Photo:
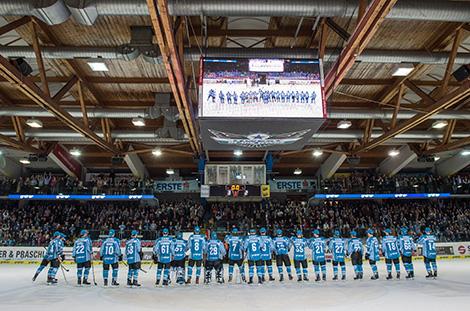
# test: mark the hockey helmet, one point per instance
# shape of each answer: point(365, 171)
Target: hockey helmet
point(134, 233)
point(83, 232)
point(112, 233)
point(234, 230)
point(404, 231)
point(388, 231)
point(56, 234)
point(165, 231)
point(279, 232)
point(214, 235)
point(197, 229)
point(336, 234)
point(353, 234)
point(179, 235)
point(262, 230)
point(427, 230)
point(299, 233)
point(252, 231)
point(316, 232)
point(370, 231)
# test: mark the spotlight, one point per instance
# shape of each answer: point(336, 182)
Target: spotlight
point(238, 153)
point(76, 152)
point(170, 171)
point(317, 152)
point(403, 70)
point(25, 161)
point(439, 124)
point(35, 123)
point(138, 121)
point(344, 124)
point(393, 152)
point(97, 65)
point(157, 152)
point(297, 171)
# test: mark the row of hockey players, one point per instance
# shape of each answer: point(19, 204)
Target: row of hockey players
point(264, 96)
point(258, 250)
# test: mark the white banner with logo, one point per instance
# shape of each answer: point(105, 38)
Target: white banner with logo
point(293, 185)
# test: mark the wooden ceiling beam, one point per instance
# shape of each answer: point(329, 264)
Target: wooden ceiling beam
point(67, 87)
point(14, 24)
point(17, 144)
point(427, 99)
point(363, 33)
point(444, 103)
point(32, 91)
point(162, 26)
point(39, 60)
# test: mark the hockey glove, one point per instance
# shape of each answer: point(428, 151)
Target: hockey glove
point(120, 257)
point(62, 257)
point(367, 256)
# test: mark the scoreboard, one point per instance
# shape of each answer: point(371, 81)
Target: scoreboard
point(235, 191)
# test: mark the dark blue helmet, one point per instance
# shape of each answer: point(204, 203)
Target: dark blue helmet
point(214, 235)
point(353, 234)
point(112, 233)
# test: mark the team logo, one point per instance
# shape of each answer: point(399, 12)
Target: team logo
point(257, 140)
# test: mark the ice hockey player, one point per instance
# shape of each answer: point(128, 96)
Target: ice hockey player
point(215, 252)
point(337, 246)
point(81, 254)
point(253, 255)
point(196, 246)
point(179, 256)
point(318, 246)
point(267, 249)
point(355, 250)
point(51, 257)
point(111, 255)
point(300, 256)
point(134, 257)
point(62, 239)
point(391, 253)
point(162, 256)
point(407, 246)
point(281, 249)
point(372, 253)
point(428, 241)
point(235, 254)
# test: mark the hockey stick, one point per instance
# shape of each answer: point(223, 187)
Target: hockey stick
point(93, 269)
point(64, 267)
point(63, 273)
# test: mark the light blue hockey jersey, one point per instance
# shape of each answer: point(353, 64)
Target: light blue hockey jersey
point(235, 246)
point(300, 248)
point(337, 246)
point(267, 247)
point(428, 241)
point(406, 245)
point(82, 250)
point(133, 249)
point(253, 247)
point(372, 248)
point(390, 247)
point(215, 250)
point(281, 245)
point(196, 246)
point(355, 246)
point(164, 249)
point(318, 247)
point(179, 251)
point(52, 251)
point(110, 251)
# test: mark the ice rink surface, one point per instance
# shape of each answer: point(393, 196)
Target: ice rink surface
point(450, 291)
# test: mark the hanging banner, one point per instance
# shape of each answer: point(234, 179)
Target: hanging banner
point(180, 186)
point(293, 185)
point(65, 161)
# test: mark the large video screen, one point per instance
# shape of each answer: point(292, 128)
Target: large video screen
point(261, 88)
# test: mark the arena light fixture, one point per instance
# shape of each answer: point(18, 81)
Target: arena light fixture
point(393, 152)
point(439, 124)
point(76, 152)
point(97, 65)
point(344, 124)
point(157, 152)
point(403, 70)
point(317, 152)
point(170, 171)
point(34, 123)
point(465, 152)
point(238, 153)
point(25, 161)
point(437, 158)
point(297, 171)
point(139, 121)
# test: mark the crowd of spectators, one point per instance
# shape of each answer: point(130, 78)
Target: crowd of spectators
point(343, 183)
point(402, 183)
point(449, 219)
point(31, 223)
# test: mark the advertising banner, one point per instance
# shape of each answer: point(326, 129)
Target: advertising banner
point(176, 186)
point(293, 185)
point(66, 162)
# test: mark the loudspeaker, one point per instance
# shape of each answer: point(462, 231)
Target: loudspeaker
point(117, 160)
point(22, 66)
point(353, 160)
point(462, 73)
